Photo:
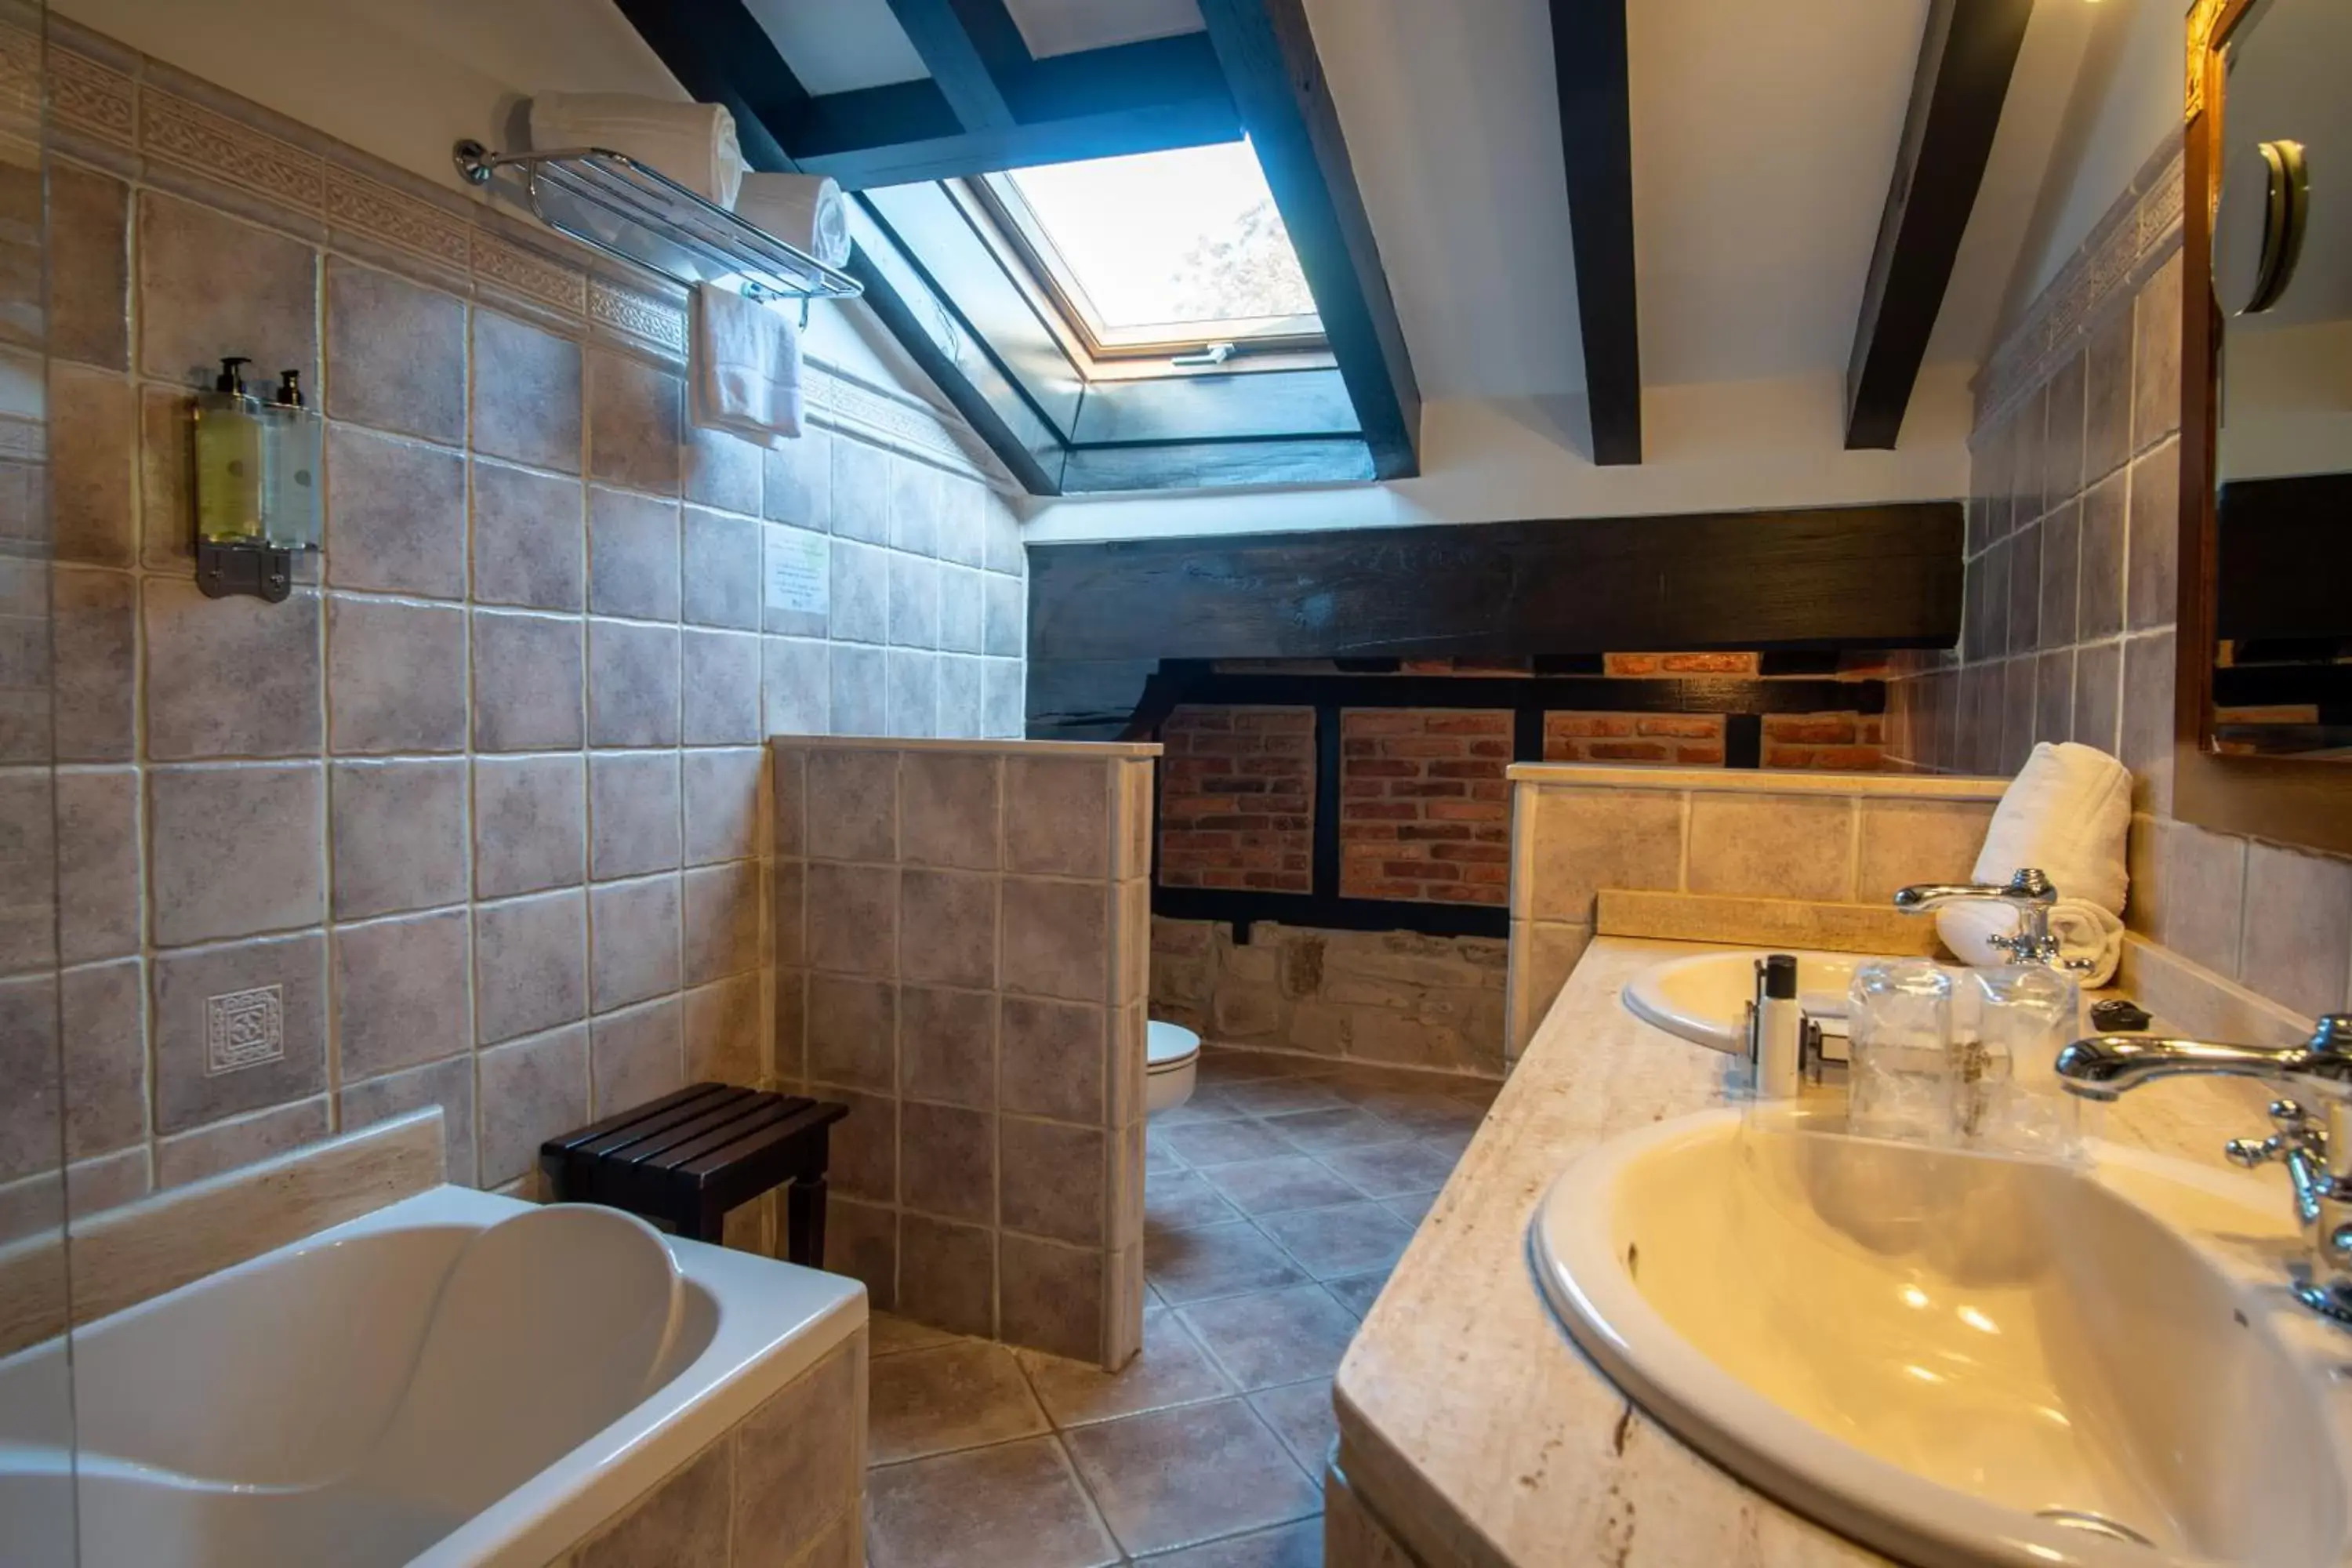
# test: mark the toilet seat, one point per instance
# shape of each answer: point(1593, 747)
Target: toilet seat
point(1172, 1054)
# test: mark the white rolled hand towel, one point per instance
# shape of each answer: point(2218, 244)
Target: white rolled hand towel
point(2067, 813)
point(745, 364)
point(807, 212)
point(692, 144)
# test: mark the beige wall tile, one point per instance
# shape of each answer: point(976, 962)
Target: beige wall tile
point(723, 472)
point(796, 685)
point(947, 1046)
point(633, 684)
point(1585, 839)
point(719, 573)
point(634, 413)
point(1771, 846)
point(97, 844)
point(93, 628)
point(947, 1161)
point(723, 805)
point(633, 555)
point(102, 1016)
point(853, 799)
point(682, 1522)
point(633, 813)
point(90, 282)
point(401, 996)
point(947, 927)
point(864, 1146)
point(947, 1274)
point(1908, 841)
point(1056, 1055)
point(852, 1032)
point(397, 836)
point(636, 1056)
point(230, 678)
point(530, 682)
point(720, 703)
point(724, 1039)
point(92, 444)
point(447, 1085)
point(530, 966)
point(788, 913)
point(527, 394)
point(796, 481)
point(632, 940)
point(527, 539)
point(801, 1458)
point(2204, 879)
point(861, 1240)
point(530, 1090)
point(1055, 1180)
point(531, 827)
point(190, 305)
point(2147, 718)
point(1054, 1297)
point(395, 676)
point(1057, 939)
point(722, 922)
point(236, 849)
point(2298, 929)
point(395, 515)
point(2156, 357)
point(395, 353)
point(1057, 814)
point(858, 932)
point(949, 808)
point(240, 1141)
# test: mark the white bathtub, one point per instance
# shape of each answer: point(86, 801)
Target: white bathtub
point(246, 1418)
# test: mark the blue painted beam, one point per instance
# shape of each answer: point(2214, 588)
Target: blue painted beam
point(895, 135)
point(960, 72)
point(1596, 135)
point(1269, 62)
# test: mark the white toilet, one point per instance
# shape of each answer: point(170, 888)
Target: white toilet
point(1171, 1056)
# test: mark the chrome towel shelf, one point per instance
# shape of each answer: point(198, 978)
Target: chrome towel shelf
point(613, 203)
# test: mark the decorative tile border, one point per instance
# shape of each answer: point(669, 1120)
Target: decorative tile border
point(2134, 238)
point(377, 210)
point(218, 147)
point(93, 97)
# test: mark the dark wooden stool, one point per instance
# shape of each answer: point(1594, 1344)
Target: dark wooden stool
point(687, 1158)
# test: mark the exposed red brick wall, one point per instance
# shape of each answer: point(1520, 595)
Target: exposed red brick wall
point(1680, 740)
point(1237, 798)
point(1640, 664)
point(1424, 809)
point(1837, 743)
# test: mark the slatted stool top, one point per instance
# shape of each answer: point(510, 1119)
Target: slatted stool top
point(697, 1153)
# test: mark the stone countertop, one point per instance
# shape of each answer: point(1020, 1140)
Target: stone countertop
point(1471, 1424)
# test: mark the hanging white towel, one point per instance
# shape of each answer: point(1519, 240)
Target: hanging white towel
point(807, 212)
point(2067, 813)
point(746, 364)
point(692, 144)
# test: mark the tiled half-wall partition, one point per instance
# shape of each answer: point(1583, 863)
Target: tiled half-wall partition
point(477, 817)
point(963, 943)
point(1824, 838)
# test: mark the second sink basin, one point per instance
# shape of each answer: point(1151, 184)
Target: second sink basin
point(1959, 1358)
point(1703, 998)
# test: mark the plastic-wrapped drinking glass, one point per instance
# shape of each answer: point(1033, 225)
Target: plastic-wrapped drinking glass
point(2007, 1095)
point(1899, 1026)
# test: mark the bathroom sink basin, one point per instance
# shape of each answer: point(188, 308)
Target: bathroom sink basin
point(1958, 1359)
point(1704, 999)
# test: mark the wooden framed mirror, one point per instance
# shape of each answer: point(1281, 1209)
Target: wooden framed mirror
point(2262, 737)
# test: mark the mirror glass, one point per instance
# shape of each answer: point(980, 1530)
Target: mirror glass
point(2283, 279)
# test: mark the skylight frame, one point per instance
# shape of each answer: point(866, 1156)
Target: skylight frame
point(1003, 218)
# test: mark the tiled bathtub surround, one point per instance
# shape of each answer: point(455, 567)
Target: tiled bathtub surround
point(962, 936)
point(2074, 523)
point(477, 817)
point(1820, 838)
point(783, 1488)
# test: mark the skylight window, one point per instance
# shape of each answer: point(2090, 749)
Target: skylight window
point(1162, 251)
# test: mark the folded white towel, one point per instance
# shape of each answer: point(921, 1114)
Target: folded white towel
point(2067, 813)
point(746, 363)
point(692, 144)
point(807, 212)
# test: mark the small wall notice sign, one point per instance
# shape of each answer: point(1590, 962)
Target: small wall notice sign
point(799, 570)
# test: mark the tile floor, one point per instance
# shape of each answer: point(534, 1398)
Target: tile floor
point(1276, 1201)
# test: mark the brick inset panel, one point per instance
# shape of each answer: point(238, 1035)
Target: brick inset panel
point(1833, 742)
point(1424, 809)
point(1666, 739)
point(1237, 798)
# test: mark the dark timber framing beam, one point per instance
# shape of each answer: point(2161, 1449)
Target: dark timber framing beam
point(1966, 58)
point(955, 59)
point(1277, 84)
point(1596, 140)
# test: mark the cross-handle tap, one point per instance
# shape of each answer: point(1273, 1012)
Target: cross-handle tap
point(2315, 1147)
point(2029, 892)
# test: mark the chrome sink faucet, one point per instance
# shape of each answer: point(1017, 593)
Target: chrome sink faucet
point(2029, 892)
point(2316, 1148)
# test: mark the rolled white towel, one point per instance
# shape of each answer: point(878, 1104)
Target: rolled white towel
point(2066, 814)
point(807, 212)
point(2086, 933)
point(692, 144)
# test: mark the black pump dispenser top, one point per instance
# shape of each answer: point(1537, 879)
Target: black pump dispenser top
point(289, 389)
point(1780, 977)
point(232, 374)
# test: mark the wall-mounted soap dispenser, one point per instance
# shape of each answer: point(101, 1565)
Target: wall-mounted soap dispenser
point(256, 484)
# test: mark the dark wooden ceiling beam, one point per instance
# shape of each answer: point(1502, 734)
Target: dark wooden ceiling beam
point(1596, 138)
point(1967, 57)
point(720, 53)
point(1268, 58)
point(960, 72)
